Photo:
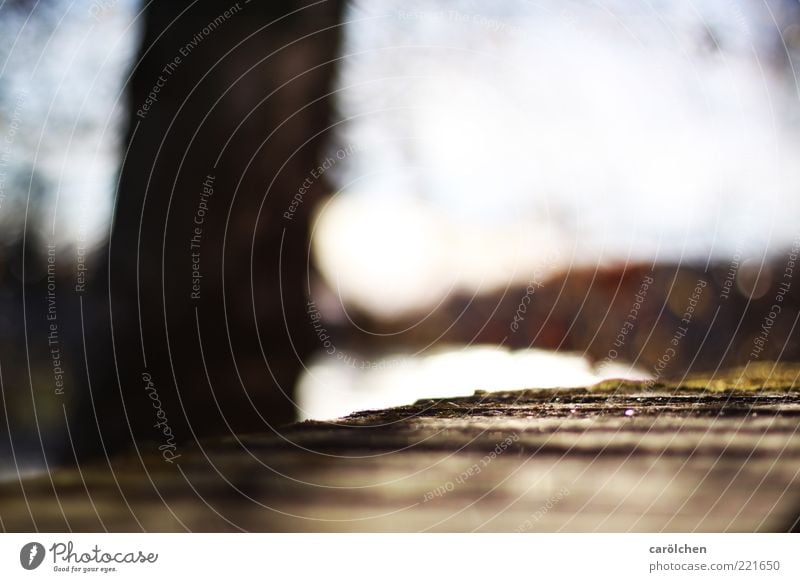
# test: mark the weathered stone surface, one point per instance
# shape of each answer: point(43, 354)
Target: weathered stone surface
point(700, 454)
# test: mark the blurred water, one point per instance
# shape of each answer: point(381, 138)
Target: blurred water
point(336, 385)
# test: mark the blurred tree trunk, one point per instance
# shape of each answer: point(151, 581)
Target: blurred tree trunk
point(207, 275)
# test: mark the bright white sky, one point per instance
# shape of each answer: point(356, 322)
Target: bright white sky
point(491, 139)
point(61, 77)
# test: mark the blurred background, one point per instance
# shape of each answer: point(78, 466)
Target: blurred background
point(506, 195)
point(485, 146)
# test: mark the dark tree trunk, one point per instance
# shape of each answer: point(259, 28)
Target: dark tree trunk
point(229, 110)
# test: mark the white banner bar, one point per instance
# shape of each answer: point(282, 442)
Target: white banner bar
point(401, 557)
